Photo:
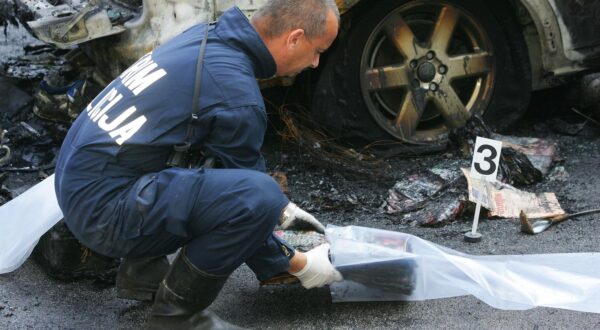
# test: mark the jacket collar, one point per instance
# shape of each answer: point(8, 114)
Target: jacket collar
point(235, 29)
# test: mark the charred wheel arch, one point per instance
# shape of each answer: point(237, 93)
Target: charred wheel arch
point(413, 70)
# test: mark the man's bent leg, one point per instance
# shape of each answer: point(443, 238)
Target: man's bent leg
point(183, 297)
point(244, 216)
point(235, 212)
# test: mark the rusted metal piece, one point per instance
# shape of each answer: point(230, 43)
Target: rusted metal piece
point(60, 33)
point(72, 23)
point(540, 225)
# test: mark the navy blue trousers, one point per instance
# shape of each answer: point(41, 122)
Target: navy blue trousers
point(224, 217)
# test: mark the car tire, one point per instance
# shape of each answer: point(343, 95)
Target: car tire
point(351, 96)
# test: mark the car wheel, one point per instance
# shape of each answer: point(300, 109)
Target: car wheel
point(414, 70)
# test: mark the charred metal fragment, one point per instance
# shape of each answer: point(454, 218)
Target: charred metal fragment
point(515, 167)
point(72, 22)
point(14, 100)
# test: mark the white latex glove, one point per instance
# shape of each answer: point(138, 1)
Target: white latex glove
point(294, 217)
point(318, 270)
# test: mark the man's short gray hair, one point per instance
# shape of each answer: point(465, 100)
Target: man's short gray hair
point(285, 15)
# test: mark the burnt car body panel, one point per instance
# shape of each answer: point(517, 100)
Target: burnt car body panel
point(562, 33)
point(581, 22)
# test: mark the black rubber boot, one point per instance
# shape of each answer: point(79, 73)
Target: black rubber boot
point(184, 295)
point(138, 279)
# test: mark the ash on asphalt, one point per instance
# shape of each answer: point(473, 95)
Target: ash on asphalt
point(29, 298)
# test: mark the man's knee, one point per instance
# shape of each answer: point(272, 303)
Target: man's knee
point(241, 199)
point(267, 198)
point(267, 186)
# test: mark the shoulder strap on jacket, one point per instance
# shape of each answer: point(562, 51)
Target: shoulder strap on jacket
point(180, 150)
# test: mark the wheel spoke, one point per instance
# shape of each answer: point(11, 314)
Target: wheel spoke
point(469, 65)
point(409, 116)
point(387, 77)
point(450, 106)
point(401, 35)
point(444, 28)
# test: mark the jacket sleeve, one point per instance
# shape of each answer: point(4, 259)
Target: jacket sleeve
point(236, 137)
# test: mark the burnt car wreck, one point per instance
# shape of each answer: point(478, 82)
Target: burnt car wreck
point(403, 70)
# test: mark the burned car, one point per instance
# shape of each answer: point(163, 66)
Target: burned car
point(410, 70)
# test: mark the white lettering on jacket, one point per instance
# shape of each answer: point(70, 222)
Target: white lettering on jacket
point(142, 74)
point(126, 131)
point(99, 109)
point(116, 128)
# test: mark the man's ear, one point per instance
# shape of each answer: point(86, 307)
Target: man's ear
point(294, 37)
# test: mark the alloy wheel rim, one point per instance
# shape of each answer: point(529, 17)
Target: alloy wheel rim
point(425, 69)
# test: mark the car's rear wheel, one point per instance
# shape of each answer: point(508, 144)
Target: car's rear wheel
point(413, 70)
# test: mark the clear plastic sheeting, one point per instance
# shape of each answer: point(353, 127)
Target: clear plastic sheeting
point(24, 220)
point(380, 265)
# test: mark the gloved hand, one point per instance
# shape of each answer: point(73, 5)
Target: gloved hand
point(318, 270)
point(294, 217)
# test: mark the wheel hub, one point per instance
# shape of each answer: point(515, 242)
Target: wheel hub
point(429, 71)
point(426, 72)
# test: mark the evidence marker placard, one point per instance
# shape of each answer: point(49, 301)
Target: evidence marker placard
point(486, 159)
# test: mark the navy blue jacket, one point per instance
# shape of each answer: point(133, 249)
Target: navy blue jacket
point(129, 129)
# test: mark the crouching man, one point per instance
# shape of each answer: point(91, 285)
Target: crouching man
point(124, 179)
